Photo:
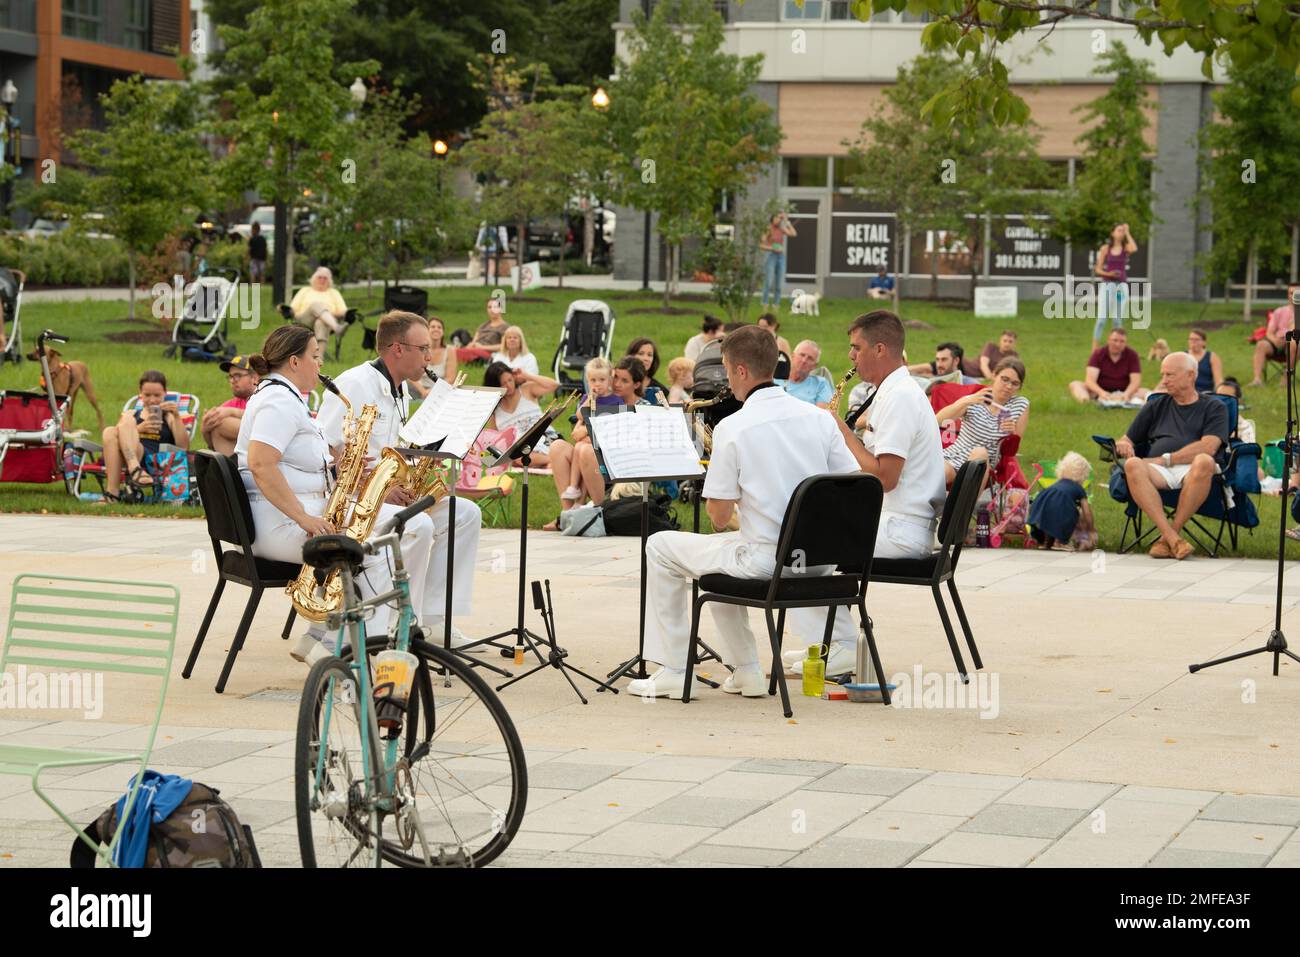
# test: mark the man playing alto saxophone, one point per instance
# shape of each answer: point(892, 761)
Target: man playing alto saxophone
point(284, 463)
point(404, 345)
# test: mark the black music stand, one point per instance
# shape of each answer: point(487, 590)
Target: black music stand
point(522, 449)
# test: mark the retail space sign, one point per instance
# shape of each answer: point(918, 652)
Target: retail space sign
point(1023, 249)
point(861, 243)
point(996, 301)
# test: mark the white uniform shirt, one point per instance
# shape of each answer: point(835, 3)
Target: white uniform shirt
point(764, 450)
point(903, 424)
point(366, 385)
point(278, 417)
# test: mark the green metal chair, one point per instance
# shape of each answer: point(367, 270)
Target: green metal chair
point(89, 625)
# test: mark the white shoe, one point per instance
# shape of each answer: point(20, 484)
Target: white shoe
point(435, 634)
point(571, 494)
point(308, 648)
point(747, 681)
point(843, 658)
point(662, 684)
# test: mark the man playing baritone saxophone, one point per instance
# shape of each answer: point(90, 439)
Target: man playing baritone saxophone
point(760, 455)
point(902, 449)
point(404, 345)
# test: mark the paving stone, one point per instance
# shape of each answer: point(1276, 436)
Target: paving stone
point(982, 782)
point(1229, 836)
point(27, 806)
point(1186, 857)
point(671, 767)
point(907, 826)
point(259, 814)
point(787, 766)
point(848, 852)
point(920, 863)
point(574, 777)
point(856, 780)
point(927, 798)
point(700, 811)
point(619, 759)
point(639, 839)
point(798, 820)
point(1192, 798)
point(1255, 809)
point(1023, 820)
point(542, 841)
point(200, 753)
point(744, 785)
point(253, 770)
point(1121, 833)
point(1288, 856)
point(602, 806)
point(746, 856)
point(1059, 794)
point(988, 850)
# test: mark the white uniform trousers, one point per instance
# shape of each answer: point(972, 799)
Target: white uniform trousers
point(673, 561)
point(469, 520)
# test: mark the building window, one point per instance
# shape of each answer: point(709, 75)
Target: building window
point(82, 19)
point(839, 10)
point(136, 34)
point(720, 7)
point(811, 10)
point(804, 171)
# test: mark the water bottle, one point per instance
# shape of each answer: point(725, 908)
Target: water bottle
point(90, 497)
point(814, 672)
point(982, 527)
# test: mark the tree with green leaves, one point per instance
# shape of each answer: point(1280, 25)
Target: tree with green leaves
point(390, 208)
point(686, 122)
point(1250, 162)
point(152, 169)
point(899, 163)
point(287, 114)
point(733, 262)
point(586, 161)
point(1115, 183)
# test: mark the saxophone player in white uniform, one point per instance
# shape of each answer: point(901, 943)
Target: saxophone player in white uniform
point(404, 346)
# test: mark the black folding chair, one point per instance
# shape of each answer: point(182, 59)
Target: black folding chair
point(230, 522)
point(830, 520)
point(941, 566)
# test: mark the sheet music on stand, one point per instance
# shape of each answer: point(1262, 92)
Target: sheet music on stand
point(454, 415)
point(649, 444)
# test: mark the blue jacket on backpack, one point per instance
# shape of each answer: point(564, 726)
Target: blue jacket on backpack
point(160, 794)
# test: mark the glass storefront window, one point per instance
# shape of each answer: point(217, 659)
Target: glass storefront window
point(804, 171)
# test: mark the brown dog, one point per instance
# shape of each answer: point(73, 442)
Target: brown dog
point(69, 377)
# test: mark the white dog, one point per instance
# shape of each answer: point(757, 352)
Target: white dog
point(804, 303)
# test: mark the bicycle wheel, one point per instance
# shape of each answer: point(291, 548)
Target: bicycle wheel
point(335, 827)
point(461, 781)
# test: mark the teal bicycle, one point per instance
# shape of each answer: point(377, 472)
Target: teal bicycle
point(403, 754)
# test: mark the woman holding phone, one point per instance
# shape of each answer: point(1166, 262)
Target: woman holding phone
point(987, 417)
point(140, 433)
point(779, 229)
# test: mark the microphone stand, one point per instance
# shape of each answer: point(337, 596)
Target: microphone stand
point(1276, 644)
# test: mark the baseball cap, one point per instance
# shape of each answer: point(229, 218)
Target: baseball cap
point(238, 362)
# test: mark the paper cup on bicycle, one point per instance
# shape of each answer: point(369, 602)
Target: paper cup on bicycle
point(396, 668)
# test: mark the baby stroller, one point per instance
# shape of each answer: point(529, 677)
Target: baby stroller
point(396, 298)
point(31, 427)
point(711, 402)
point(11, 295)
point(588, 332)
point(198, 332)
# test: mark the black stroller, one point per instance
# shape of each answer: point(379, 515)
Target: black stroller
point(399, 298)
point(199, 332)
point(11, 296)
point(588, 332)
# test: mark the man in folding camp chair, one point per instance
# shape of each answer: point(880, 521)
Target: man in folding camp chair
point(1183, 434)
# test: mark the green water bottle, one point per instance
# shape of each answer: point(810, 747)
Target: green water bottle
point(814, 672)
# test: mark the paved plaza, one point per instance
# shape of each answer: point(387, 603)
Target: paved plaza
point(1086, 742)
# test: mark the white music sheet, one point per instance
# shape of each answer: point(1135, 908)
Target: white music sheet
point(455, 415)
point(649, 443)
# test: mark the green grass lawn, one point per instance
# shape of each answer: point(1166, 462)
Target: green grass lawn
point(1054, 351)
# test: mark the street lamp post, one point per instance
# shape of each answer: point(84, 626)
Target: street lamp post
point(440, 151)
point(9, 96)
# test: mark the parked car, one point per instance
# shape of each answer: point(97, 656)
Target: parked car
point(264, 216)
point(549, 237)
point(44, 228)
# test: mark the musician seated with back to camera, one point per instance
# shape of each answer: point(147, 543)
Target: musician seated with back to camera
point(903, 449)
point(760, 455)
point(284, 462)
point(1185, 434)
point(404, 345)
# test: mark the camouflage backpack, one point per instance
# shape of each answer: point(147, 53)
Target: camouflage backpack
point(203, 831)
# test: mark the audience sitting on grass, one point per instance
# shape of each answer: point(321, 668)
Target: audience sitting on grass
point(320, 306)
point(981, 367)
point(802, 384)
point(487, 339)
point(518, 408)
point(1245, 427)
point(648, 353)
point(514, 352)
point(1209, 367)
point(710, 329)
point(441, 359)
point(772, 324)
point(1272, 347)
point(881, 285)
point(566, 464)
point(681, 379)
point(1060, 514)
point(1185, 434)
point(220, 425)
point(949, 357)
point(987, 417)
point(137, 434)
point(1113, 375)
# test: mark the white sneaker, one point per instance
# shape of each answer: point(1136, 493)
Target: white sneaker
point(435, 634)
point(747, 681)
point(571, 494)
point(662, 684)
point(842, 659)
point(308, 648)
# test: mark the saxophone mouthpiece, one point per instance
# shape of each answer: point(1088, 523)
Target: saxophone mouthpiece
point(328, 383)
point(433, 376)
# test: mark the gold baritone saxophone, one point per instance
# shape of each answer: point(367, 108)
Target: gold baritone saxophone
point(703, 431)
point(317, 601)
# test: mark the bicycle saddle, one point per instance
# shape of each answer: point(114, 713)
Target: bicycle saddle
point(327, 552)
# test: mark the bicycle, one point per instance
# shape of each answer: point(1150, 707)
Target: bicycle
point(385, 761)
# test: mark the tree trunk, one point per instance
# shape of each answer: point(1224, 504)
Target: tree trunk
point(130, 279)
point(1249, 298)
point(669, 273)
point(521, 249)
point(897, 271)
point(280, 287)
point(934, 267)
point(588, 233)
point(976, 260)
